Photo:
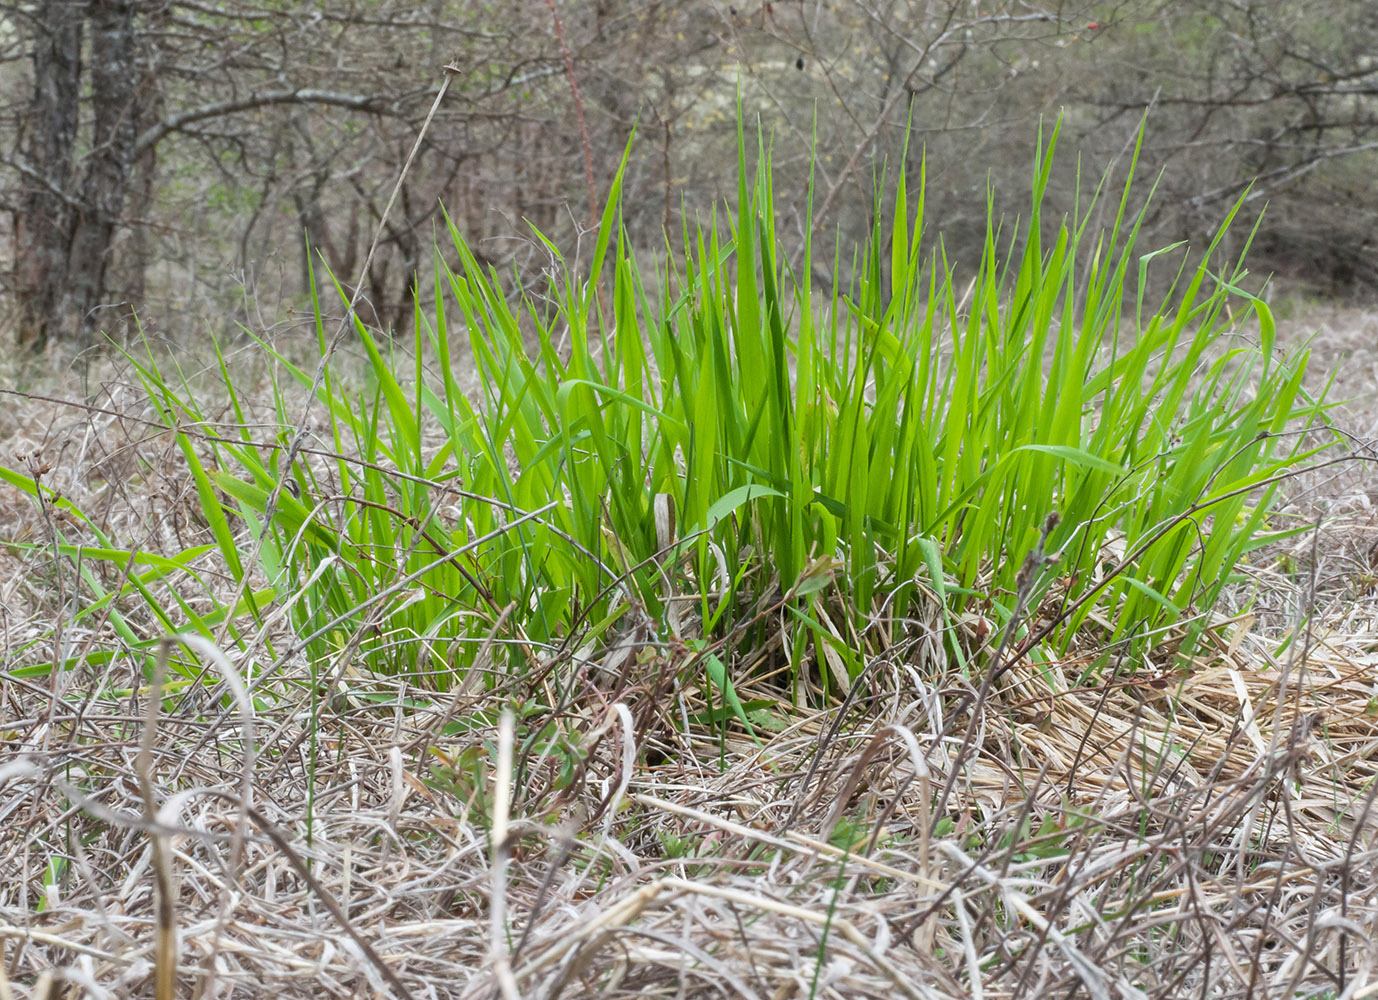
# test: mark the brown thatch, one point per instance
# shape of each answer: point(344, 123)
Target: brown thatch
point(1151, 832)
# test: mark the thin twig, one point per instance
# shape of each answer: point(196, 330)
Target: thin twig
point(568, 57)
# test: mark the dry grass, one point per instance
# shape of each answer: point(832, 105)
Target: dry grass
point(1207, 832)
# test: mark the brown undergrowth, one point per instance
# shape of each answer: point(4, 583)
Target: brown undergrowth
point(1112, 830)
point(1210, 832)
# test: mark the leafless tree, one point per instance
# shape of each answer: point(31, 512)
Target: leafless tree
point(171, 152)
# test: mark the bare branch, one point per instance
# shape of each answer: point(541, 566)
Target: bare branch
point(175, 123)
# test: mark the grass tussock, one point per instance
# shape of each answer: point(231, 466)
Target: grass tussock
point(737, 637)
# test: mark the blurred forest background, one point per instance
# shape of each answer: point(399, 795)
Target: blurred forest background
point(175, 158)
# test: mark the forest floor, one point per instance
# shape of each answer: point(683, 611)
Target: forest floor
point(1206, 831)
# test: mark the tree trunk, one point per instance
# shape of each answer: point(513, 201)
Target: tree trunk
point(114, 87)
point(64, 232)
point(44, 221)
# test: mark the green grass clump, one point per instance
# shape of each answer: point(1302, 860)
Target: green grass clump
point(839, 458)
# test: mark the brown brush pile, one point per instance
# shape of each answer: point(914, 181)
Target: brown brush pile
point(1157, 832)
